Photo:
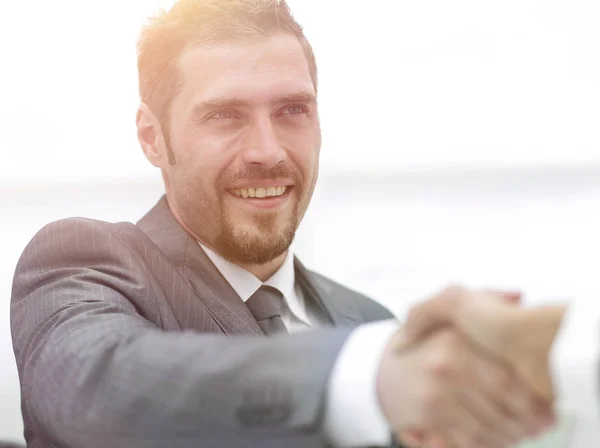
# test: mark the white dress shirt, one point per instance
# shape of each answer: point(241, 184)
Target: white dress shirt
point(353, 417)
point(574, 362)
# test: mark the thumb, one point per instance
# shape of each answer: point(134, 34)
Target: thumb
point(427, 317)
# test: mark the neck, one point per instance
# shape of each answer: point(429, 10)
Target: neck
point(264, 271)
point(261, 271)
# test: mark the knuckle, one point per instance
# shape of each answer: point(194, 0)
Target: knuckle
point(501, 381)
point(447, 339)
point(431, 399)
point(473, 439)
point(445, 360)
point(414, 315)
point(450, 344)
point(488, 440)
point(443, 366)
point(454, 291)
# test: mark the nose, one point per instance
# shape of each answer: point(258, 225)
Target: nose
point(262, 147)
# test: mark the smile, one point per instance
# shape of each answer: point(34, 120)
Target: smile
point(260, 192)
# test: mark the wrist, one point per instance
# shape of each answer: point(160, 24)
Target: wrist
point(392, 392)
point(538, 328)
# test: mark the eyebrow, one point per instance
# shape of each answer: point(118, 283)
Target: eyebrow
point(224, 103)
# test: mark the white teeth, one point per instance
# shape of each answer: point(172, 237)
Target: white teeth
point(260, 192)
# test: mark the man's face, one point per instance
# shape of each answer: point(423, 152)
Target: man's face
point(245, 134)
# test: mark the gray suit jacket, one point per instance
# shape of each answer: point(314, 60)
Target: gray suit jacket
point(128, 336)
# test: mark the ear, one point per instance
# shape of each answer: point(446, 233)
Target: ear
point(151, 137)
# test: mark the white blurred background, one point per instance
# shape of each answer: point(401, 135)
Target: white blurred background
point(461, 143)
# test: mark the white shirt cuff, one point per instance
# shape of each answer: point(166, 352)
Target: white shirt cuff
point(353, 416)
point(574, 360)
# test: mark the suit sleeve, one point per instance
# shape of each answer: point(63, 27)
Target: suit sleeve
point(95, 373)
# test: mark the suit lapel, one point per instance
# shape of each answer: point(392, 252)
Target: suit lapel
point(217, 294)
point(340, 310)
point(211, 288)
point(205, 280)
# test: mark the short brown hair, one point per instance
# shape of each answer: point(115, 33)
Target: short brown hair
point(204, 22)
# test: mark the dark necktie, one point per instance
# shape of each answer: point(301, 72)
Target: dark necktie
point(265, 305)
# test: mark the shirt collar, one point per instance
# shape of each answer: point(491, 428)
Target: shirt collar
point(284, 280)
point(244, 283)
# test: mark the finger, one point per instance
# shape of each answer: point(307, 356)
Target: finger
point(513, 297)
point(412, 438)
point(497, 427)
point(482, 395)
point(502, 399)
point(461, 428)
point(525, 405)
point(520, 403)
point(510, 408)
point(435, 441)
point(453, 423)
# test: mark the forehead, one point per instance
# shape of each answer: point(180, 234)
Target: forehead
point(256, 70)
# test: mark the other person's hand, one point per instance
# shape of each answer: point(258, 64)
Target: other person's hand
point(518, 336)
point(443, 390)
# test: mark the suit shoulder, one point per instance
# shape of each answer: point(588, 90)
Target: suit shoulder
point(77, 248)
point(369, 308)
point(84, 225)
point(77, 239)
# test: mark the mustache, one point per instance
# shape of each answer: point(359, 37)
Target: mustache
point(250, 173)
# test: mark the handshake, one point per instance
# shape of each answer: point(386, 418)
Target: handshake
point(470, 369)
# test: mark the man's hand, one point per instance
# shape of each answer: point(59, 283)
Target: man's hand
point(520, 337)
point(444, 390)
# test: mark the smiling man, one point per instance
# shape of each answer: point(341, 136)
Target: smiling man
point(197, 326)
point(238, 147)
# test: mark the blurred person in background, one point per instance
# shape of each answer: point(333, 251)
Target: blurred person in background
point(197, 326)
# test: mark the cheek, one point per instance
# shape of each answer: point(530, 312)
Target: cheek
point(312, 147)
point(304, 143)
point(308, 160)
point(201, 159)
point(194, 176)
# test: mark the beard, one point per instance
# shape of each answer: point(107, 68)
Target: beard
point(249, 239)
point(257, 244)
point(265, 235)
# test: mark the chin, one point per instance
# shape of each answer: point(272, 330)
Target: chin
point(252, 246)
point(253, 252)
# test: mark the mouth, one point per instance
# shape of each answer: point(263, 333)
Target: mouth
point(260, 192)
point(262, 197)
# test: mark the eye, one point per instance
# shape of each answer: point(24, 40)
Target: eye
point(221, 115)
point(295, 110)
